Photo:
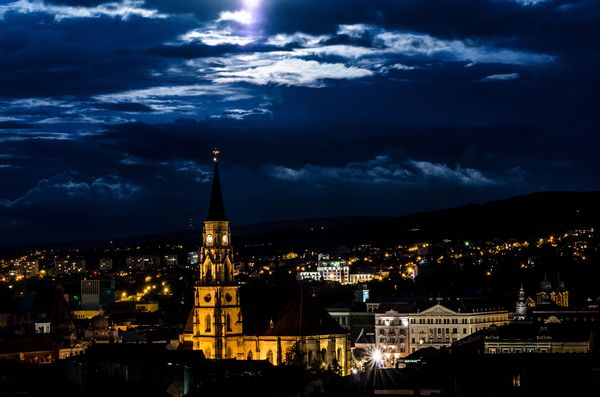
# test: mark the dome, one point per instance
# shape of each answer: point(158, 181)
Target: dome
point(560, 284)
point(100, 322)
point(545, 285)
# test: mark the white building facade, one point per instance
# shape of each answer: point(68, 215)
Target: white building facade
point(399, 333)
point(336, 271)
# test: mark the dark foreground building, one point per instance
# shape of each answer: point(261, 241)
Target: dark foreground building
point(153, 369)
point(465, 375)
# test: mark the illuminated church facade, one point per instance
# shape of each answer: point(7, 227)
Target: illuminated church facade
point(303, 331)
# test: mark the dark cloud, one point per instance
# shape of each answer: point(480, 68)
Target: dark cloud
point(79, 3)
point(79, 57)
point(108, 115)
point(11, 125)
point(154, 176)
point(124, 107)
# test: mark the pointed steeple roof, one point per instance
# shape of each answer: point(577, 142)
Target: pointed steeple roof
point(216, 209)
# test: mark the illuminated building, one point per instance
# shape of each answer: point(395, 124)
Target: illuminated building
point(392, 331)
point(216, 326)
point(27, 268)
point(336, 271)
point(537, 338)
point(106, 263)
point(142, 262)
point(192, 258)
point(405, 327)
point(170, 260)
point(97, 294)
point(548, 294)
point(69, 266)
point(521, 306)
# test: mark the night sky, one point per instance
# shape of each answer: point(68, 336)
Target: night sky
point(109, 110)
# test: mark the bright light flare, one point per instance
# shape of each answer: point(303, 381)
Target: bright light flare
point(243, 16)
point(375, 357)
point(251, 3)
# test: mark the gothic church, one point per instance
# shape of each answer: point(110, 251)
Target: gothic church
point(216, 326)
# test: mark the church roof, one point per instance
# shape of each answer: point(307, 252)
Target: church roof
point(304, 317)
point(28, 344)
point(216, 209)
point(189, 325)
point(365, 337)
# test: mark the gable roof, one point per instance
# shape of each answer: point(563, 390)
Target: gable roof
point(438, 308)
point(304, 317)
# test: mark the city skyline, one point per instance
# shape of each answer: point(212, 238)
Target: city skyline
point(109, 110)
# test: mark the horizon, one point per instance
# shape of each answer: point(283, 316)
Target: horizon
point(234, 225)
point(334, 109)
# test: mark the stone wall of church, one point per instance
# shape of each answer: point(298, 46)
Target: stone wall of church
point(319, 350)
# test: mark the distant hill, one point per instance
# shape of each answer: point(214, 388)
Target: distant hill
point(521, 216)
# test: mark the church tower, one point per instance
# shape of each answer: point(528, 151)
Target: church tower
point(217, 315)
point(521, 306)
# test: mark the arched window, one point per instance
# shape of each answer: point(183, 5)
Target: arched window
point(250, 355)
point(228, 322)
point(323, 354)
point(270, 356)
point(207, 321)
point(208, 275)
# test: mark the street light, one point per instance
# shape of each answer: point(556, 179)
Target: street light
point(375, 356)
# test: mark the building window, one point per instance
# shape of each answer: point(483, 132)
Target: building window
point(250, 355)
point(207, 321)
point(228, 322)
point(270, 356)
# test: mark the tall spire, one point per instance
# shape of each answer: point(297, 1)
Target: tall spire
point(521, 306)
point(216, 209)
